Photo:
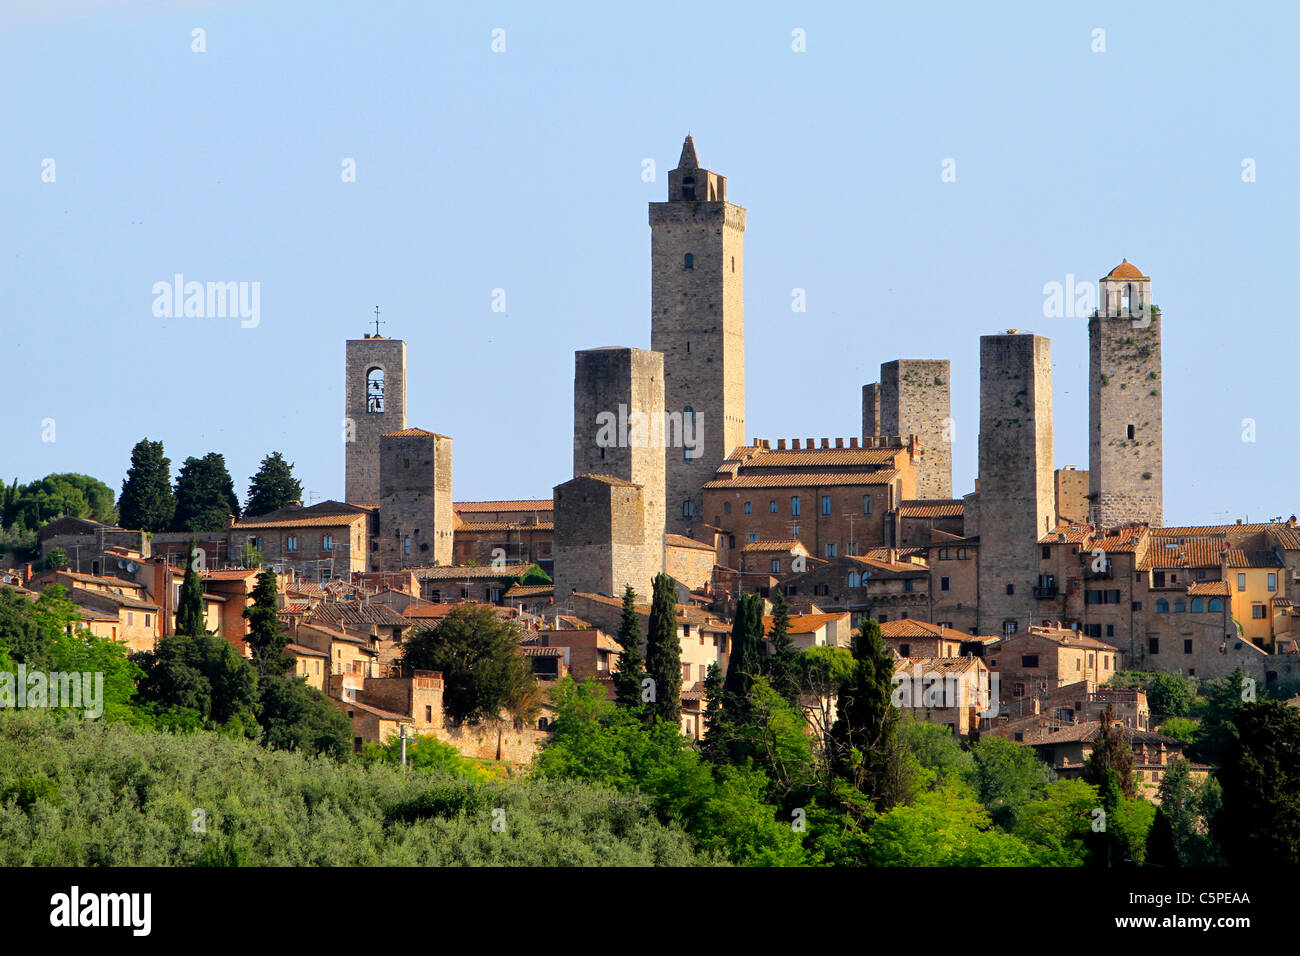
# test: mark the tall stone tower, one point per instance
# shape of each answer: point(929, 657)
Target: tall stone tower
point(618, 403)
point(698, 323)
point(1017, 500)
point(375, 403)
point(415, 513)
point(913, 397)
point(1125, 408)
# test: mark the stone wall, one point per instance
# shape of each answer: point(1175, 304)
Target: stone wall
point(915, 400)
point(415, 514)
point(364, 426)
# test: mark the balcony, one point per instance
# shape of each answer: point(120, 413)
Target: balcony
point(1046, 591)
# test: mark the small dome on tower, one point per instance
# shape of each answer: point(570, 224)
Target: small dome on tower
point(1125, 270)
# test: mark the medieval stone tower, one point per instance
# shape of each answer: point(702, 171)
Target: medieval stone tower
point(1017, 503)
point(618, 402)
point(415, 513)
point(600, 537)
point(913, 398)
point(1125, 408)
point(698, 323)
point(375, 403)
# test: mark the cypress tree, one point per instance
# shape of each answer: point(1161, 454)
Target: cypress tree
point(205, 494)
point(266, 637)
point(189, 612)
point(663, 657)
point(864, 738)
point(631, 665)
point(782, 666)
point(1111, 752)
point(713, 747)
point(273, 487)
point(147, 502)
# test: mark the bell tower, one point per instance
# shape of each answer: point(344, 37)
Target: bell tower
point(698, 323)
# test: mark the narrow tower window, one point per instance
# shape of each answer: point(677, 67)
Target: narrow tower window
point(690, 260)
point(1131, 432)
point(375, 390)
point(688, 188)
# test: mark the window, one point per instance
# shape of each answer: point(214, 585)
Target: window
point(776, 565)
point(866, 504)
point(406, 545)
point(904, 650)
point(375, 390)
point(1180, 606)
point(1028, 660)
point(1153, 645)
point(1047, 552)
point(1009, 627)
point(1110, 630)
point(686, 672)
point(1241, 582)
point(1216, 604)
point(749, 507)
point(753, 537)
point(130, 619)
point(1272, 581)
point(688, 426)
point(688, 508)
point(291, 543)
point(1131, 432)
point(731, 541)
point(726, 507)
point(963, 554)
point(148, 620)
point(855, 579)
point(1187, 646)
point(907, 584)
point(943, 584)
point(1011, 589)
point(794, 505)
point(771, 507)
point(1162, 606)
point(826, 505)
point(690, 260)
point(428, 713)
point(327, 542)
point(1198, 605)
point(830, 549)
point(1257, 612)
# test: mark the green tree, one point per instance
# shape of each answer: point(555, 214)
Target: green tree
point(663, 655)
point(1259, 823)
point(273, 487)
point(1223, 699)
point(1169, 695)
point(190, 616)
point(863, 742)
point(483, 671)
point(297, 717)
point(57, 560)
point(202, 673)
point(147, 502)
point(1057, 827)
point(631, 665)
point(937, 752)
point(205, 494)
point(266, 635)
point(1111, 751)
point(1160, 849)
point(54, 496)
point(1008, 776)
point(943, 828)
point(723, 740)
point(782, 666)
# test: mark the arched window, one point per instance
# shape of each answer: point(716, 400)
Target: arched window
point(1198, 605)
point(855, 579)
point(375, 390)
point(1162, 606)
point(690, 260)
point(1180, 606)
point(1216, 604)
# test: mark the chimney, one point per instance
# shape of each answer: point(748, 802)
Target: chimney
point(853, 443)
point(294, 503)
point(826, 443)
point(893, 555)
point(812, 443)
point(794, 444)
point(1238, 521)
point(230, 521)
point(839, 443)
point(27, 572)
point(780, 444)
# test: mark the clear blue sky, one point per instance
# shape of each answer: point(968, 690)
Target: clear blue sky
point(522, 171)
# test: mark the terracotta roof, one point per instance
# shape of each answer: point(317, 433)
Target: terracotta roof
point(1060, 635)
point(807, 479)
point(681, 541)
point(805, 623)
point(335, 520)
point(468, 572)
point(81, 594)
point(530, 590)
point(94, 614)
point(534, 650)
point(911, 628)
point(1288, 538)
point(231, 574)
point(355, 614)
point(932, 508)
point(608, 480)
point(300, 650)
point(1125, 270)
point(107, 582)
point(411, 433)
point(881, 569)
point(1194, 553)
point(785, 546)
point(520, 504)
point(469, 527)
point(377, 711)
point(955, 665)
point(1087, 731)
point(1210, 530)
point(1236, 558)
point(1209, 589)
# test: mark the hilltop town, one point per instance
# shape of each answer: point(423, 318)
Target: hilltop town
point(1028, 593)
